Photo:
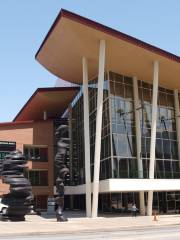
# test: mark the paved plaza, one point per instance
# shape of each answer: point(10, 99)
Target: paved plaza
point(78, 224)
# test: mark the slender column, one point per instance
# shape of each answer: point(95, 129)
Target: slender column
point(45, 115)
point(138, 141)
point(177, 117)
point(110, 119)
point(153, 133)
point(86, 137)
point(70, 151)
point(98, 127)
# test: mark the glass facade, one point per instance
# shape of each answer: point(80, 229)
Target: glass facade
point(123, 126)
point(167, 162)
point(78, 134)
point(118, 145)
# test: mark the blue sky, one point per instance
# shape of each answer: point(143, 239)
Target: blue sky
point(24, 24)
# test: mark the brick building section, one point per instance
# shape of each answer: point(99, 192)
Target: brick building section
point(33, 133)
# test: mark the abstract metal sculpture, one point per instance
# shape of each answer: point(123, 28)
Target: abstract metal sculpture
point(62, 170)
point(19, 198)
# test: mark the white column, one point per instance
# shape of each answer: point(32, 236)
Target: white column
point(98, 128)
point(70, 150)
point(45, 115)
point(177, 117)
point(153, 133)
point(86, 137)
point(138, 141)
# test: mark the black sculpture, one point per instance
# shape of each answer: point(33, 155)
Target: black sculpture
point(19, 198)
point(62, 170)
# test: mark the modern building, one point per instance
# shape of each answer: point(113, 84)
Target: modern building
point(124, 122)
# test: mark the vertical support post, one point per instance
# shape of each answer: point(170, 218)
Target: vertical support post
point(86, 136)
point(45, 115)
point(110, 126)
point(153, 133)
point(177, 117)
point(98, 127)
point(70, 151)
point(138, 141)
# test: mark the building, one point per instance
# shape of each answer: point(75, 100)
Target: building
point(33, 133)
point(124, 122)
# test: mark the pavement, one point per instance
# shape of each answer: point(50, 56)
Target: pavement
point(46, 224)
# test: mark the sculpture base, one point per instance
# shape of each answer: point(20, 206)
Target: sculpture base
point(12, 218)
point(61, 218)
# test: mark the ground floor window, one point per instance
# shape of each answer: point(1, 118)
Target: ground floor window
point(37, 177)
point(121, 202)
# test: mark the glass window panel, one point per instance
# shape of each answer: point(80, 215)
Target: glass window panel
point(114, 128)
point(115, 144)
point(130, 129)
point(111, 76)
point(140, 94)
point(162, 99)
point(158, 134)
point(119, 90)
point(173, 135)
point(145, 168)
point(167, 168)
point(148, 147)
point(165, 134)
point(131, 146)
point(115, 168)
point(166, 148)
point(133, 173)
point(112, 88)
point(120, 128)
point(163, 113)
point(122, 146)
point(147, 115)
point(176, 169)
point(123, 168)
point(143, 147)
point(159, 148)
point(146, 85)
point(119, 78)
point(37, 153)
point(174, 150)
point(128, 80)
point(160, 168)
point(170, 100)
point(146, 95)
point(103, 173)
point(108, 168)
point(128, 92)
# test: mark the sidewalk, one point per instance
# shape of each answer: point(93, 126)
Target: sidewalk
point(47, 225)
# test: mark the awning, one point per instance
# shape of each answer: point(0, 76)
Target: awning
point(52, 100)
point(73, 36)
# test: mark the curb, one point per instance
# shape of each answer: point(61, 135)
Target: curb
point(89, 231)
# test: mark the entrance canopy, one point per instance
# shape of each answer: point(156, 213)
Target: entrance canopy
point(71, 37)
point(52, 100)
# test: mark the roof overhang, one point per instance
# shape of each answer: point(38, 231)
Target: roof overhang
point(71, 37)
point(52, 100)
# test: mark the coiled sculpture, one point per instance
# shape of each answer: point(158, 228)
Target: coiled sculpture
point(62, 170)
point(19, 198)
